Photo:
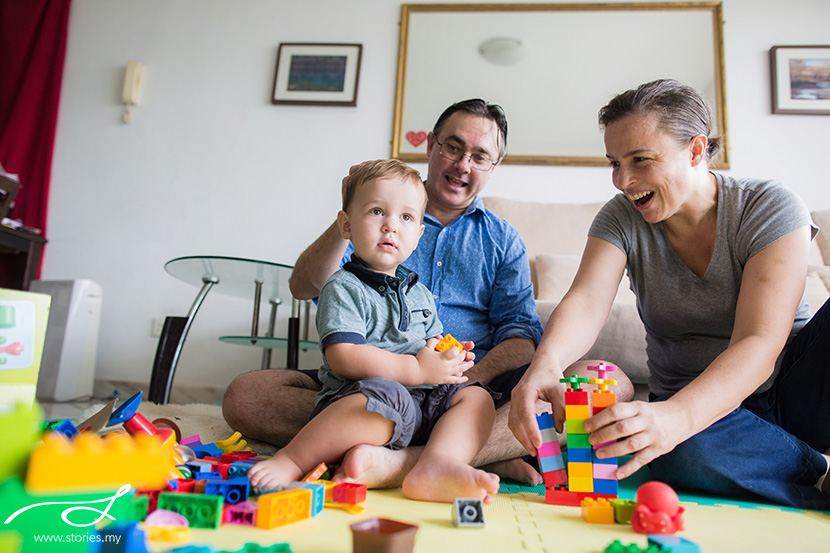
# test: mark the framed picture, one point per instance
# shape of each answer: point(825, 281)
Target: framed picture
point(800, 79)
point(319, 74)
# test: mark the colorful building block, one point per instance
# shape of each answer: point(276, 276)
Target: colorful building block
point(233, 490)
point(283, 507)
point(349, 492)
point(91, 463)
point(243, 513)
point(675, 544)
point(448, 342)
point(468, 513)
point(20, 434)
point(623, 509)
point(597, 510)
point(315, 473)
point(383, 534)
point(201, 511)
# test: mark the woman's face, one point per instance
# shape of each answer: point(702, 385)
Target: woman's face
point(649, 166)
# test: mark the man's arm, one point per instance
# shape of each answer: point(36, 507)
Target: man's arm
point(506, 356)
point(317, 263)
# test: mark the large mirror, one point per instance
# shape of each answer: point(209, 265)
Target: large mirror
point(551, 67)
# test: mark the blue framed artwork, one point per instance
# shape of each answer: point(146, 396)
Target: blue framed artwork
point(317, 74)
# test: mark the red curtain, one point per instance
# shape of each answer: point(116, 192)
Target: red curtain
point(32, 51)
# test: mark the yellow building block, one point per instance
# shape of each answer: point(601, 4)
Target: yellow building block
point(577, 412)
point(581, 470)
point(283, 507)
point(581, 485)
point(448, 342)
point(88, 462)
point(597, 511)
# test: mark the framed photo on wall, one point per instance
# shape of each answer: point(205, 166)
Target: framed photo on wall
point(317, 74)
point(800, 79)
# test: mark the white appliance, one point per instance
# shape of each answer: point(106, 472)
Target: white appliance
point(67, 370)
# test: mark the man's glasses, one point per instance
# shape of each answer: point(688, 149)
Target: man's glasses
point(479, 162)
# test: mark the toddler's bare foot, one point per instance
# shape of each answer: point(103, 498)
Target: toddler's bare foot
point(377, 467)
point(272, 473)
point(515, 469)
point(445, 479)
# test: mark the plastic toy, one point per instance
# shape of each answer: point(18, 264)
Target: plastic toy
point(234, 443)
point(617, 547)
point(201, 511)
point(233, 490)
point(318, 495)
point(468, 513)
point(623, 509)
point(551, 463)
point(448, 342)
point(675, 544)
point(348, 492)
point(658, 510)
point(92, 463)
point(315, 474)
point(383, 535)
point(284, 507)
point(243, 513)
point(130, 538)
point(597, 511)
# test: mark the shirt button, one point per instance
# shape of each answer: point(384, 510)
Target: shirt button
point(439, 263)
point(434, 296)
point(381, 288)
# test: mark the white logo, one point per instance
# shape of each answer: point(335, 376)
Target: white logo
point(123, 490)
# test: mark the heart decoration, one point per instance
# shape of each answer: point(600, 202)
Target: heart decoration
point(416, 138)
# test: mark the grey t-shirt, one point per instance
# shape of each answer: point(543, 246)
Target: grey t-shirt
point(688, 319)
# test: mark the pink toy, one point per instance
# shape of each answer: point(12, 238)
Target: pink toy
point(658, 510)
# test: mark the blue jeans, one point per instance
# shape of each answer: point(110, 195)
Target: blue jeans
point(768, 447)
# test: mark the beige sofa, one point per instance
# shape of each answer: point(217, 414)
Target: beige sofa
point(555, 235)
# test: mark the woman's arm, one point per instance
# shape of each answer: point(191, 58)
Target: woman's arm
point(771, 289)
point(569, 334)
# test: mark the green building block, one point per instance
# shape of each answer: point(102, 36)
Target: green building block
point(201, 511)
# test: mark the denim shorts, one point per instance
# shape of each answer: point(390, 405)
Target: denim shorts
point(413, 410)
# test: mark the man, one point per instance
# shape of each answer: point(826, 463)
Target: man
point(476, 266)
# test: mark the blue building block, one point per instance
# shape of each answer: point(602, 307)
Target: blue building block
point(550, 464)
point(675, 544)
point(609, 487)
point(233, 490)
point(579, 455)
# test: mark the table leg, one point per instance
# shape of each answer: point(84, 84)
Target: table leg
point(170, 346)
point(292, 360)
point(272, 323)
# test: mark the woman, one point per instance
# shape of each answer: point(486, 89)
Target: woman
point(739, 380)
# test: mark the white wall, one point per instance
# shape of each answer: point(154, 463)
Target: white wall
point(209, 166)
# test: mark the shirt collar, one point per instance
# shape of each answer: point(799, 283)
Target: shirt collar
point(380, 282)
point(476, 205)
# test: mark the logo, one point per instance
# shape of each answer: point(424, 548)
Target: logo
point(65, 515)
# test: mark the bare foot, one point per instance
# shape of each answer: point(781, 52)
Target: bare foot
point(515, 469)
point(377, 467)
point(445, 479)
point(275, 472)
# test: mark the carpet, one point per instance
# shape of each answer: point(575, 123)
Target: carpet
point(517, 520)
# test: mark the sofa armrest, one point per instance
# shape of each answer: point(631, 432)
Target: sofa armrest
point(622, 340)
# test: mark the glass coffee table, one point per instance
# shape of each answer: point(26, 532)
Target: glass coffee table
point(237, 277)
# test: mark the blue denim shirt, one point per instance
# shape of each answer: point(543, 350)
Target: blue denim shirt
point(479, 275)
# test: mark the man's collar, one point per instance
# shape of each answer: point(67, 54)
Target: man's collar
point(381, 282)
point(476, 205)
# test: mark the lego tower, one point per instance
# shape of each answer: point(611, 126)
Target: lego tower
point(587, 476)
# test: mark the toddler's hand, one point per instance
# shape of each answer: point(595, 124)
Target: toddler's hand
point(443, 367)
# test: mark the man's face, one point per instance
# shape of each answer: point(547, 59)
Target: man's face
point(452, 185)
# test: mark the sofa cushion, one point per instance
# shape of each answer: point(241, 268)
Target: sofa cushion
point(555, 273)
point(622, 341)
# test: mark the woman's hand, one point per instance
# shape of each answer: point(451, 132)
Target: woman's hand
point(643, 430)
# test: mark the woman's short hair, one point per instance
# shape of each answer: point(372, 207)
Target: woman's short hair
point(682, 111)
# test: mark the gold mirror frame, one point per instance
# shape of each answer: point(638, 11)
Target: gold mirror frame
point(609, 47)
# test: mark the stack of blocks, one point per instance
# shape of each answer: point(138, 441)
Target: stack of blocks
point(587, 475)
